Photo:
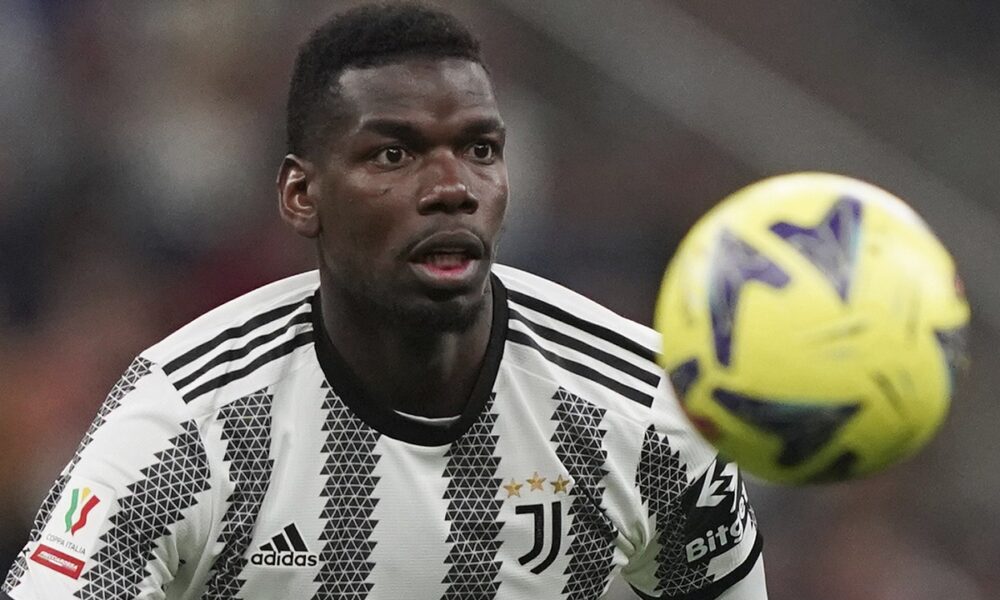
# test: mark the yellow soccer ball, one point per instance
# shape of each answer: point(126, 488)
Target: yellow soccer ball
point(812, 328)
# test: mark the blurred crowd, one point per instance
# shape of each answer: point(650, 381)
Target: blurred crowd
point(140, 145)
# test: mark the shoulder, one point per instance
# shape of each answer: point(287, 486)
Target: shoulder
point(607, 364)
point(239, 343)
point(537, 294)
point(584, 345)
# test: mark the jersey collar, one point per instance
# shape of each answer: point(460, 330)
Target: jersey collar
point(385, 420)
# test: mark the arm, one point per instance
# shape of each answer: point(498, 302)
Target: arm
point(116, 518)
point(700, 539)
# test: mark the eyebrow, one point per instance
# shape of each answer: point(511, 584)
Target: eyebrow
point(404, 131)
point(484, 126)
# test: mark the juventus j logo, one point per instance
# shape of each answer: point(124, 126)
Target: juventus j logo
point(538, 510)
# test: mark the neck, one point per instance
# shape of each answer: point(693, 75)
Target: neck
point(418, 371)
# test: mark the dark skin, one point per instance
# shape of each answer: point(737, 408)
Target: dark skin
point(405, 202)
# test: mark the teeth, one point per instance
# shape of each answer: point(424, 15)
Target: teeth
point(445, 260)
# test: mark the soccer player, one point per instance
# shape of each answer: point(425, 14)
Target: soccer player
point(410, 420)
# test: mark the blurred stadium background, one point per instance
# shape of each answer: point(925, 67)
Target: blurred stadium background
point(141, 141)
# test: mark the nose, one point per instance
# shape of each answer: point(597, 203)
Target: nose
point(448, 191)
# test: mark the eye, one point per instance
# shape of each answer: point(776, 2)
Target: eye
point(393, 156)
point(483, 152)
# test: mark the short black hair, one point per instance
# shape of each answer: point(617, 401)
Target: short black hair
point(366, 36)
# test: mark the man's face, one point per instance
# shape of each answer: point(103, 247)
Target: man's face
point(412, 192)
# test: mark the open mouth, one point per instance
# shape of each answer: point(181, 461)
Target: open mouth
point(447, 258)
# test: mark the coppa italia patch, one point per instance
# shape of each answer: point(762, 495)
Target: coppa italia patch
point(74, 526)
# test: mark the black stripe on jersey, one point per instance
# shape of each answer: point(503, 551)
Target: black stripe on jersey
point(231, 333)
point(661, 478)
point(271, 355)
point(519, 337)
point(579, 441)
point(246, 429)
point(650, 378)
point(150, 510)
point(345, 564)
point(716, 588)
point(473, 511)
point(590, 327)
point(238, 353)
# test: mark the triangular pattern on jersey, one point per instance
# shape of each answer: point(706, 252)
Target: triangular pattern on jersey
point(579, 442)
point(349, 491)
point(154, 504)
point(139, 368)
point(246, 427)
point(661, 478)
point(473, 508)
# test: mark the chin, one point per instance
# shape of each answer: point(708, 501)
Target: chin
point(454, 315)
point(417, 309)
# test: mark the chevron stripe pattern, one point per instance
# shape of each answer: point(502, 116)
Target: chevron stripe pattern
point(152, 506)
point(246, 428)
point(579, 443)
point(351, 459)
point(473, 510)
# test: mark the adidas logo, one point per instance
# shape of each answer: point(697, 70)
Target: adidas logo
point(285, 550)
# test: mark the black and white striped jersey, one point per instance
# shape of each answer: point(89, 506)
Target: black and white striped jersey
point(238, 458)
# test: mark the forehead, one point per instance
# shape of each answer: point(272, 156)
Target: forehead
point(418, 88)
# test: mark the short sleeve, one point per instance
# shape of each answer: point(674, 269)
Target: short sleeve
point(701, 538)
point(110, 526)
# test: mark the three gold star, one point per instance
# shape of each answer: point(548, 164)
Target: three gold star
point(537, 482)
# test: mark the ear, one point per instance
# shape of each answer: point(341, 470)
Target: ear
point(296, 204)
